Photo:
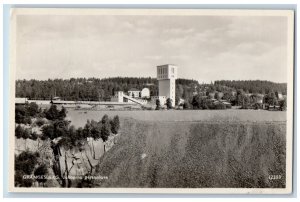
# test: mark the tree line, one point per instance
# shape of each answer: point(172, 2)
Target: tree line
point(254, 86)
point(92, 89)
point(95, 89)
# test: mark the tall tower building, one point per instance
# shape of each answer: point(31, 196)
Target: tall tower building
point(166, 76)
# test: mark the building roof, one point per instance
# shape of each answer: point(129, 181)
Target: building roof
point(19, 100)
point(167, 65)
point(134, 89)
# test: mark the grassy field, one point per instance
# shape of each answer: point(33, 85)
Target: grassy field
point(195, 154)
point(79, 117)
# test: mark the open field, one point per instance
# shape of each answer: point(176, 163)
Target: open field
point(79, 117)
point(195, 154)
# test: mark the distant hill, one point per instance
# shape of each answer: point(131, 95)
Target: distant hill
point(254, 86)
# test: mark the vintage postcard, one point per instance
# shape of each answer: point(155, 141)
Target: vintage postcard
point(151, 101)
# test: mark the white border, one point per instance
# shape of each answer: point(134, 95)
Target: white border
point(210, 12)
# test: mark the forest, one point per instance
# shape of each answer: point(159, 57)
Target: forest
point(254, 86)
point(95, 89)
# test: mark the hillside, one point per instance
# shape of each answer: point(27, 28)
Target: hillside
point(195, 154)
point(254, 86)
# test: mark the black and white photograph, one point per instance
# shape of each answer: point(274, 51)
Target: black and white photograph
point(151, 100)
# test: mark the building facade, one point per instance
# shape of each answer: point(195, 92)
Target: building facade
point(134, 92)
point(166, 76)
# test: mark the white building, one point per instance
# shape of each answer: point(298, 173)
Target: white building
point(118, 97)
point(145, 93)
point(134, 93)
point(166, 76)
point(162, 99)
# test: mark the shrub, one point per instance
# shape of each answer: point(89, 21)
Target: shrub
point(41, 171)
point(20, 114)
point(186, 105)
point(48, 132)
point(54, 114)
point(32, 109)
point(220, 106)
point(39, 122)
point(169, 103)
point(157, 104)
point(228, 106)
point(20, 181)
point(33, 136)
point(21, 132)
point(26, 162)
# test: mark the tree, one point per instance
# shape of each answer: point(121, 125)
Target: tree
point(282, 104)
point(33, 109)
point(196, 102)
point(240, 97)
point(105, 119)
point(186, 105)
point(105, 131)
point(48, 132)
point(26, 161)
point(271, 98)
point(62, 113)
point(20, 181)
point(96, 130)
point(115, 125)
point(157, 104)
point(105, 128)
point(217, 96)
point(20, 114)
point(40, 172)
point(52, 113)
point(169, 103)
point(19, 132)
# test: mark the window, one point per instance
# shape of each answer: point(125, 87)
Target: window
point(172, 70)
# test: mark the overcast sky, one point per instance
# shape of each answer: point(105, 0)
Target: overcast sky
point(205, 48)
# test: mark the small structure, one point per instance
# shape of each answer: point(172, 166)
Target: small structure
point(20, 101)
point(145, 93)
point(279, 95)
point(56, 98)
point(162, 99)
point(118, 97)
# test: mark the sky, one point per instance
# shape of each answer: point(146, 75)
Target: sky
point(205, 48)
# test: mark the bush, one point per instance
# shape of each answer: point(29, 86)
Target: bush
point(220, 106)
point(228, 106)
point(186, 105)
point(20, 114)
point(41, 171)
point(40, 122)
point(21, 132)
point(26, 162)
point(48, 132)
point(32, 109)
point(54, 114)
point(33, 136)
point(20, 181)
